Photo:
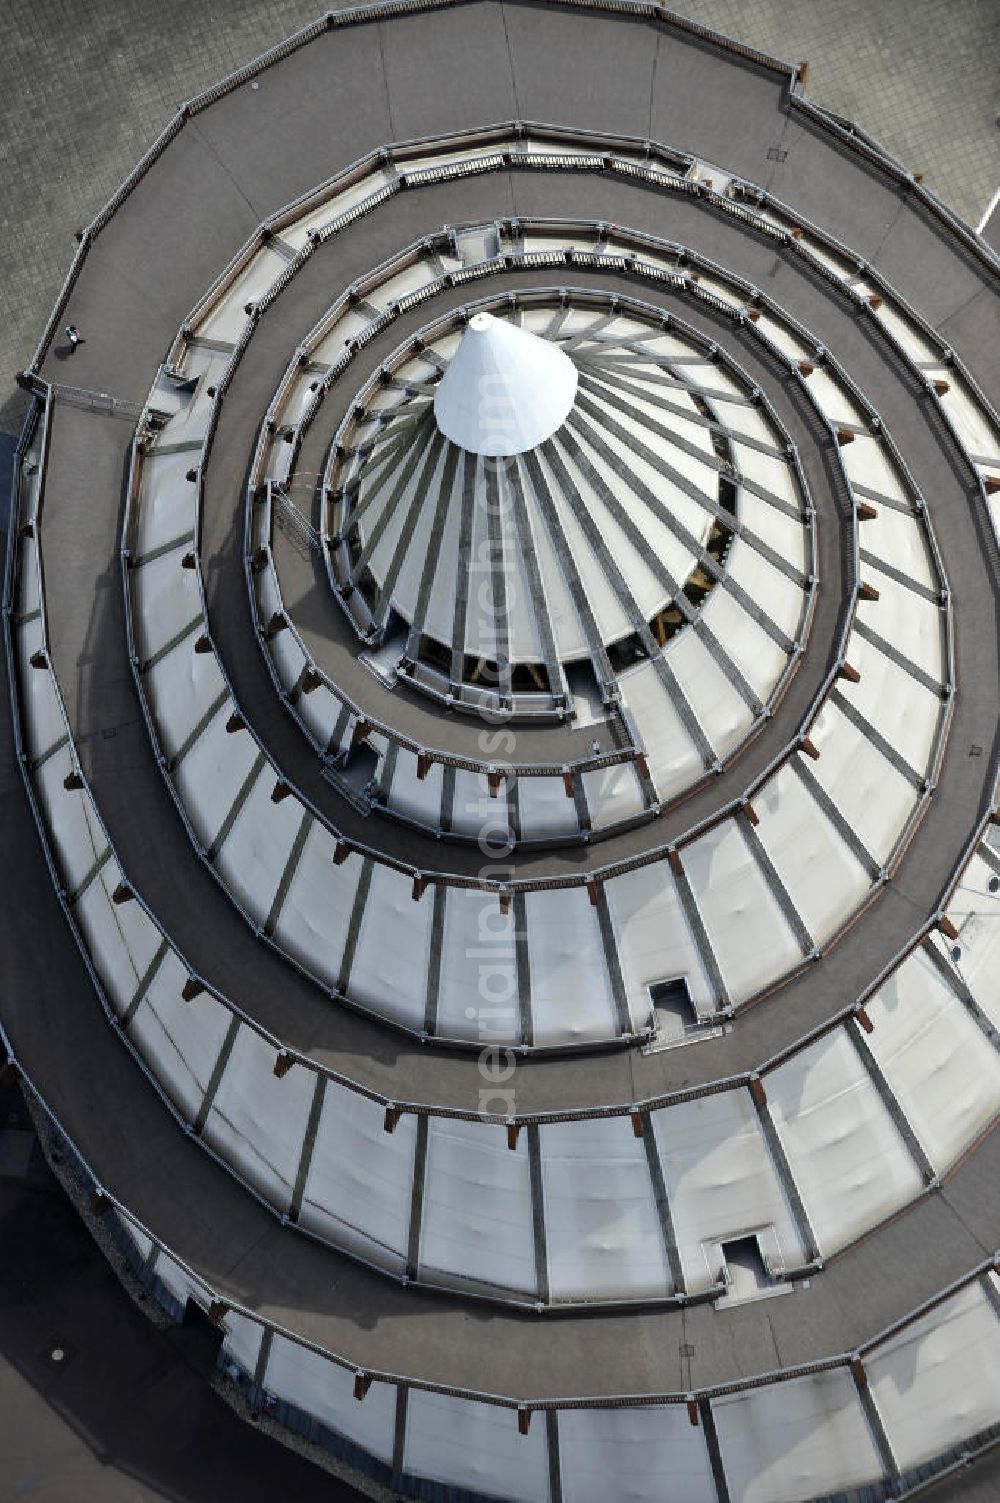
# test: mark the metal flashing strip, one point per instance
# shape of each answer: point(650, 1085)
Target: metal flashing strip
point(778, 890)
point(215, 1079)
point(569, 437)
point(288, 874)
point(955, 982)
point(308, 1144)
point(198, 730)
point(714, 1451)
point(242, 794)
point(633, 386)
point(890, 1101)
point(613, 962)
point(354, 924)
point(144, 983)
point(746, 692)
point(567, 566)
point(470, 477)
point(96, 867)
point(417, 1198)
point(789, 1186)
point(525, 543)
point(893, 653)
point(596, 541)
point(164, 548)
point(699, 934)
point(538, 1213)
point(434, 546)
point(501, 565)
point(418, 452)
point(685, 711)
point(522, 961)
point(49, 752)
point(380, 610)
point(846, 831)
point(662, 1202)
point(891, 572)
point(175, 641)
point(439, 902)
point(871, 732)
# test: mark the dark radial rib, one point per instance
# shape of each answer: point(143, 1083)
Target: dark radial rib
point(381, 607)
point(540, 606)
point(567, 439)
point(598, 546)
point(469, 471)
point(445, 494)
point(567, 566)
point(632, 385)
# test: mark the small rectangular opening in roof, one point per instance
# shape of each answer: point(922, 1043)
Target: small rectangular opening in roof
point(674, 1017)
point(745, 1272)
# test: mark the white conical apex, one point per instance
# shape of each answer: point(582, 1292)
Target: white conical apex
point(505, 390)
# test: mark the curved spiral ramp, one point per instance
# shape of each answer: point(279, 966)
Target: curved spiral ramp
point(541, 895)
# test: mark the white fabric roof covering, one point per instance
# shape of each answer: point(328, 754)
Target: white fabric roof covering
point(796, 1440)
point(938, 1381)
point(505, 391)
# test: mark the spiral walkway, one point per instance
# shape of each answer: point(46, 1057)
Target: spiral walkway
point(527, 901)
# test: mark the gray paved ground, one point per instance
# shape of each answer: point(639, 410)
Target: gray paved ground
point(84, 89)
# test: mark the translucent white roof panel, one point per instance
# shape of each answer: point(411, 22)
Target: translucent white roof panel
point(795, 1440)
point(654, 940)
point(602, 1233)
point(470, 1445)
point(850, 1163)
point(627, 1453)
point(358, 1191)
point(721, 1184)
point(748, 932)
point(938, 1381)
point(477, 1207)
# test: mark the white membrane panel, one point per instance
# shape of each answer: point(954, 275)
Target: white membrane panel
point(477, 1207)
point(475, 1446)
point(571, 995)
point(318, 1386)
point(602, 1231)
point(721, 1184)
point(795, 1440)
point(749, 935)
point(849, 1161)
point(180, 1041)
point(824, 879)
point(943, 1070)
point(477, 990)
point(359, 1186)
point(314, 918)
point(938, 1382)
point(390, 964)
point(627, 1455)
point(258, 1121)
point(654, 940)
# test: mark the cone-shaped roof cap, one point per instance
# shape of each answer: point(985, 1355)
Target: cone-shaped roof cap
point(505, 390)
